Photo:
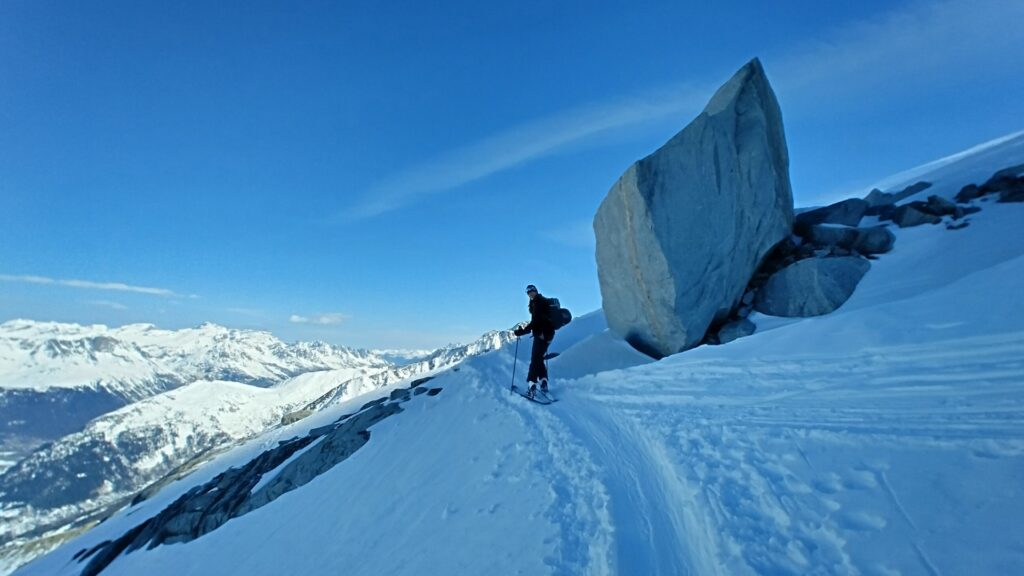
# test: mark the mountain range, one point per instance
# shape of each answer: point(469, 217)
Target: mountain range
point(93, 414)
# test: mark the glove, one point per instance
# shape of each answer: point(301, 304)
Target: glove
point(519, 331)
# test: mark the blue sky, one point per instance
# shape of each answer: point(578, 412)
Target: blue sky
point(392, 174)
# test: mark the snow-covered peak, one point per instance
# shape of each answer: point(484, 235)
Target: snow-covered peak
point(403, 357)
point(142, 357)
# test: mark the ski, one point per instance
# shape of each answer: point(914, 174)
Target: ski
point(537, 397)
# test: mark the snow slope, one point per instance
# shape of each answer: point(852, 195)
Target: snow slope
point(69, 481)
point(885, 438)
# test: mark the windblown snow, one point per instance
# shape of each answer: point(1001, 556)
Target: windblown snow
point(885, 438)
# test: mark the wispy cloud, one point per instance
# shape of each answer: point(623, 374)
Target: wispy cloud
point(108, 304)
point(578, 234)
point(518, 145)
point(923, 42)
point(319, 319)
point(91, 285)
point(919, 44)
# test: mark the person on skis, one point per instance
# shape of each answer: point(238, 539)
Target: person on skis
point(543, 332)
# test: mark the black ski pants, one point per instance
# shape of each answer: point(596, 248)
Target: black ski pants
point(538, 370)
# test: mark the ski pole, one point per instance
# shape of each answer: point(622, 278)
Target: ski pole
point(514, 363)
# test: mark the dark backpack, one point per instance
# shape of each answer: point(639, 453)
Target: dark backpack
point(557, 315)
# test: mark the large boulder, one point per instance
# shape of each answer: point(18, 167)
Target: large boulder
point(811, 287)
point(683, 230)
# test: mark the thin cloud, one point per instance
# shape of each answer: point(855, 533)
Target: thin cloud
point(90, 285)
point(920, 43)
point(516, 146)
point(578, 234)
point(319, 319)
point(108, 304)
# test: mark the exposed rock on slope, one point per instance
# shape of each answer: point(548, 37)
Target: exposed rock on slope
point(682, 231)
point(811, 287)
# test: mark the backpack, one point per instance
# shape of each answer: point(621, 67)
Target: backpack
point(557, 315)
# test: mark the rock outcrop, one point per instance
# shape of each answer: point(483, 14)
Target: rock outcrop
point(1008, 183)
point(682, 231)
point(925, 212)
point(811, 287)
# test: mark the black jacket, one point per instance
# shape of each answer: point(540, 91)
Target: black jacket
point(540, 324)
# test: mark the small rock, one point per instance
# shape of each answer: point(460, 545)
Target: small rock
point(373, 403)
point(911, 190)
point(1012, 195)
point(876, 199)
point(886, 212)
point(847, 213)
point(909, 215)
point(968, 193)
point(734, 330)
point(874, 240)
point(939, 206)
point(420, 381)
point(828, 236)
point(1017, 170)
point(999, 183)
point(748, 298)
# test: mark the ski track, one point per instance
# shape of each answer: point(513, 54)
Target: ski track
point(759, 466)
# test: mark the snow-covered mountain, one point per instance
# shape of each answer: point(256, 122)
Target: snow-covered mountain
point(132, 360)
point(403, 357)
point(884, 438)
point(77, 477)
point(439, 359)
point(55, 377)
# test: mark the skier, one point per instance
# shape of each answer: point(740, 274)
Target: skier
point(543, 333)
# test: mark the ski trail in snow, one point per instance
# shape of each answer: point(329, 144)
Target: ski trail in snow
point(576, 499)
point(896, 501)
point(647, 505)
point(793, 465)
